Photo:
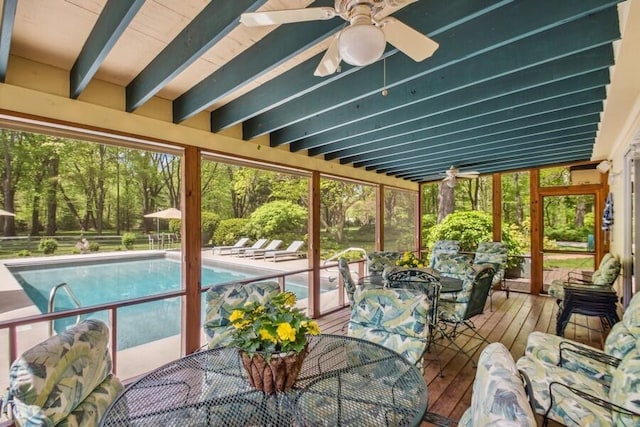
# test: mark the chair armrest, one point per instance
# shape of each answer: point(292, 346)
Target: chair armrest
point(570, 347)
point(573, 276)
point(528, 388)
point(610, 406)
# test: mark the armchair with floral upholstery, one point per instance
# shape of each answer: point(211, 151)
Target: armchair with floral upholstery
point(594, 297)
point(65, 380)
point(494, 253)
point(602, 278)
point(575, 399)
point(593, 362)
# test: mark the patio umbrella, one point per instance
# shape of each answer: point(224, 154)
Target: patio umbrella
point(169, 213)
point(6, 213)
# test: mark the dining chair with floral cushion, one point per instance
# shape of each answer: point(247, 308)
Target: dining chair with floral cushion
point(395, 318)
point(603, 277)
point(456, 314)
point(222, 300)
point(377, 261)
point(449, 247)
point(494, 253)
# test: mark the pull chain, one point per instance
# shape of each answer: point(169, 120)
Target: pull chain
point(384, 77)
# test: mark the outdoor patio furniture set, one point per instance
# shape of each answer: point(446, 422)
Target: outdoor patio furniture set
point(271, 251)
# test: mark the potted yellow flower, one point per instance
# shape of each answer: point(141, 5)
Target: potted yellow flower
point(272, 341)
point(408, 259)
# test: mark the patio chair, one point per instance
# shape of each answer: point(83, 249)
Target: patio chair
point(394, 318)
point(256, 253)
point(222, 300)
point(257, 245)
point(591, 297)
point(377, 261)
point(494, 253)
point(591, 361)
point(221, 249)
point(65, 380)
point(602, 278)
point(292, 251)
point(449, 247)
point(457, 314)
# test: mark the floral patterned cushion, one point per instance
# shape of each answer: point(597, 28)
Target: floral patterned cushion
point(457, 266)
point(453, 309)
point(50, 380)
point(572, 409)
point(625, 389)
point(378, 261)
point(567, 408)
point(494, 253)
point(393, 317)
point(95, 405)
point(449, 247)
point(499, 396)
point(222, 300)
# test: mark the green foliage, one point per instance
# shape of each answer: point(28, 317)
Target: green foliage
point(209, 225)
point(94, 247)
point(279, 219)
point(23, 253)
point(428, 222)
point(568, 233)
point(48, 246)
point(470, 228)
point(175, 224)
point(128, 240)
point(229, 231)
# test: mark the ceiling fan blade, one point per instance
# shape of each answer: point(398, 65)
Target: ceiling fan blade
point(412, 43)
point(275, 17)
point(330, 61)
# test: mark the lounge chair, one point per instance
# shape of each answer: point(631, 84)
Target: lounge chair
point(221, 249)
point(259, 253)
point(292, 251)
point(257, 245)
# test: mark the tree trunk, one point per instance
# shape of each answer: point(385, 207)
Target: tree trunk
point(518, 198)
point(52, 199)
point(7, 182)
point(581, 209)
point(446, 201)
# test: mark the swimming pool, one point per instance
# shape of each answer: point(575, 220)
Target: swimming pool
point(107, 281)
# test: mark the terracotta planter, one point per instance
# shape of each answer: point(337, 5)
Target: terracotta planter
point(276, 376)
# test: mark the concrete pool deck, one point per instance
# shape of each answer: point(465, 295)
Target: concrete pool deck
point(14, 304)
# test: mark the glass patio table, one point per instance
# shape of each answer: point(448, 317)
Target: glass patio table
point(449, 284)
point(344, 381)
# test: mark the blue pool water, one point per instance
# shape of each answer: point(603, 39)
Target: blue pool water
point(110, 281)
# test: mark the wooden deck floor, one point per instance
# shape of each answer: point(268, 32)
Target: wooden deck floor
point(510, 322)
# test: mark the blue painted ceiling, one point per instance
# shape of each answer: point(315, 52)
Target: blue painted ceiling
point(514, 84)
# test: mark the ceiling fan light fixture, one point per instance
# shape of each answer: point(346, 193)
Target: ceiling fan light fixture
point(361, 44)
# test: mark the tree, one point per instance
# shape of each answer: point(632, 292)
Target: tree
point(446, 200)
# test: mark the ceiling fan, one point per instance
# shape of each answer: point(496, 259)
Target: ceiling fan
point(452, 174)
point(362, 42)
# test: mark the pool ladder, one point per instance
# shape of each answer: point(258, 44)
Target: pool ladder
point(52, 297)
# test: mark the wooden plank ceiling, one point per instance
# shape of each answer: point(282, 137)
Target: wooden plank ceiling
point(514, 83)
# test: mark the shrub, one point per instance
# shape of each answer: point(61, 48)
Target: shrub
point(229, 231)
point(279, 219)
point(48, 246)
point(470, 228)
point(24, 252)
point(94, 247)
point(209, 225)
point(175, 224)
point(128, 240)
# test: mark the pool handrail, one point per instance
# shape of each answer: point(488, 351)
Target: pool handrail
point(52, 297)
